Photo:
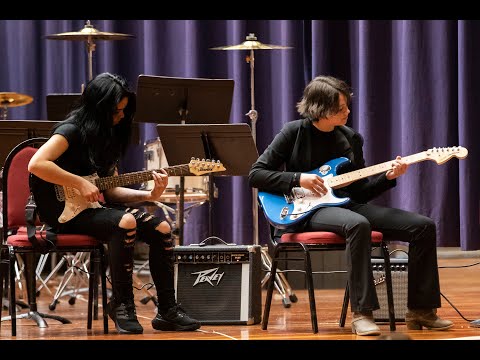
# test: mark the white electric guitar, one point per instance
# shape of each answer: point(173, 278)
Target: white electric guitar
point(59, 204)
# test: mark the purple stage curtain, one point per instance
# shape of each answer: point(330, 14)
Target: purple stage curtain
point(413, 83)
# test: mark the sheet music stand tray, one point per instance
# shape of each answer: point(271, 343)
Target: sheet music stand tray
point(232, 144)
point(170, 100)
point(59, 105)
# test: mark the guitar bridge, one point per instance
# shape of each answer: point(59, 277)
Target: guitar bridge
point(288, 198)
point(284, 212)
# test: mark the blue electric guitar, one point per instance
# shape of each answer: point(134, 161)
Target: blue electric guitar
point(283, 211)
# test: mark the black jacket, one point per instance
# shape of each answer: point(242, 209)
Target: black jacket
point(289, 153)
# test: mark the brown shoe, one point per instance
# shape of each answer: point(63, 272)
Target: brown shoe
point(419, 318)
point(364, 324)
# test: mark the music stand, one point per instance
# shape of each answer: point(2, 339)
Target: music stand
point(222, 142)
point(170, 100)
point(59, 105)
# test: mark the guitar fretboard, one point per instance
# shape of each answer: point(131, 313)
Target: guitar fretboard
point(109, 182)
point(345, 179)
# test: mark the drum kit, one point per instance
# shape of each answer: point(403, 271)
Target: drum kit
point(196, 189)
point(251, 43)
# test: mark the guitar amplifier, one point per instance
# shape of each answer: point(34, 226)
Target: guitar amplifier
point(219, 284)
point(399, 271)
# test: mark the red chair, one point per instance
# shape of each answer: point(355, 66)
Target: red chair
point(307, 242)
point(16, 192)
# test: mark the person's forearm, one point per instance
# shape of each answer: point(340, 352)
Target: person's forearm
point(126, 195)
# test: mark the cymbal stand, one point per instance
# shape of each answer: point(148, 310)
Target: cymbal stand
point(4, 112)
point(90, 49)
point(281, 283)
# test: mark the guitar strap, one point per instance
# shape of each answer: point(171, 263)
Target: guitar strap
point(49, 241)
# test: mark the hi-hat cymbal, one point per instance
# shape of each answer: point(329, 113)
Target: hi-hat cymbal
point(89, 32)
point(12, 99)
point(251, 43)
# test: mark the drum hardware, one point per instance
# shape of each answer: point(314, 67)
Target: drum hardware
point(195, 188)
point(12, 99)
point(89, 34)
point(252, 44)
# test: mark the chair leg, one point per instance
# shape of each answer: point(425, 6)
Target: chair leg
point(103, 278)
point(91, 284)
point(388, 282)
point(311, 293)
point(32, 313)
point(3, 278)
point(271, 283)
point(346, 300)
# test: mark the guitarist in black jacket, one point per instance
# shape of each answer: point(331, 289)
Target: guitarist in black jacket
point(306, 144)
point(92, 140)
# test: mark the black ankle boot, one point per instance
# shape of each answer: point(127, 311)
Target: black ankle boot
point(125, 317)
point(175, 319)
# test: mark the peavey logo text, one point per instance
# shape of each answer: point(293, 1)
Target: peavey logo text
point(208, 276)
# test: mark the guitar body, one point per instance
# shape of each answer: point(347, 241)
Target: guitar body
point(58, 204)
point(284, 211)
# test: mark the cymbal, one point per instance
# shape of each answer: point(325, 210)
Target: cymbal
point(12, 99)
point(251, 43)
point(89, 32)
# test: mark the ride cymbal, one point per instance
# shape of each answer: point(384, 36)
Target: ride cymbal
point(251, 43)
point(89, 32)
point(13, 99)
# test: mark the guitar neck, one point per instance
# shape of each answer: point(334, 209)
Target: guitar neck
point(137, 177)
point(347, 178)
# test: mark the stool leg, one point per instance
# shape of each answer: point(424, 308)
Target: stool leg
point(388, 282)
point(311, 294)
point(271, 283)
point(346, 300)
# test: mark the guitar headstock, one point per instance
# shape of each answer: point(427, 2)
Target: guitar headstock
point(202, 167)
point(443, 154)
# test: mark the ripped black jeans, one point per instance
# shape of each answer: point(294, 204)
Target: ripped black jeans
point(103, 223)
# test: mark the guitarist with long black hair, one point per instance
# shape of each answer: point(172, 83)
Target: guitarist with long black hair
point(92, 140)
point(311, 142)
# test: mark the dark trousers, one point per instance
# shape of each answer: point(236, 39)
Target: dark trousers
point(355, 222)
point(102, 223)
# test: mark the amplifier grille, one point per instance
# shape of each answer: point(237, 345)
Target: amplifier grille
point(204, 299)
point(399, 269)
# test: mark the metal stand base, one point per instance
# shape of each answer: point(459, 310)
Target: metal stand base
point(39, 318)
point(281, 283)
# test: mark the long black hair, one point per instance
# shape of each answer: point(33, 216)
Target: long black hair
point(93, 115)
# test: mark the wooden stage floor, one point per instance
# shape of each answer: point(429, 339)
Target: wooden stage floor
point(460, 284)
